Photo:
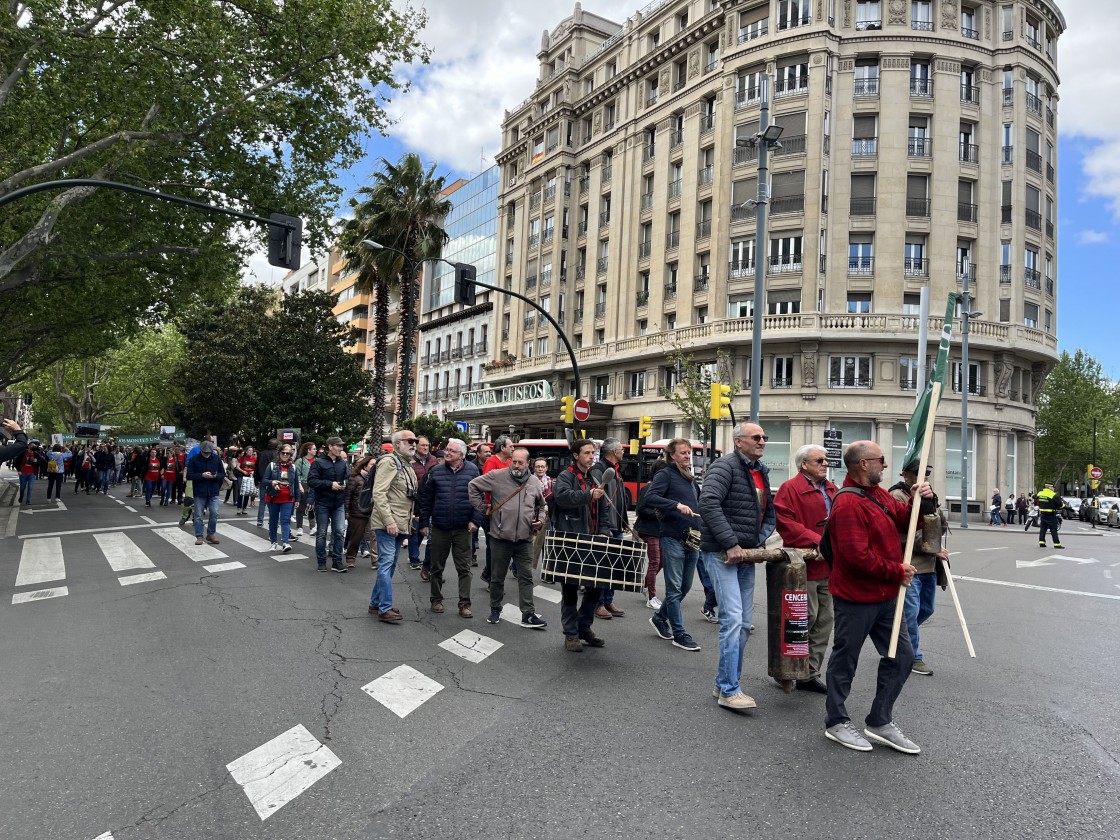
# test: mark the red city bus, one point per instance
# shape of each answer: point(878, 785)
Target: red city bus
point(635, 470)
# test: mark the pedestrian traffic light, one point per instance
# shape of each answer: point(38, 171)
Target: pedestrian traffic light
point(567, 406)
point(464, 283)
point(645, 427)
point(285, 235)
point(721, 401)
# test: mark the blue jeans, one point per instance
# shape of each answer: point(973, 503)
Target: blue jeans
point(606, 596)
point(388, 547)
point(710, 602)
point(103, 480)
point(414, 540)
point(918, 607)
point(149, 489)
point(734, 586)
point(283, 512)
point(996, 518)
point(678, 564)
point(201, 504)
point(335, 516)
point(167, 491)
point(26, 485)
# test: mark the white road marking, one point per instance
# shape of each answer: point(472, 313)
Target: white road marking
point(470, 645)
point(93, 530)
point(1039, 588)
point(1107, 574)
point(40, 595)
point(511, 613)
point(275, 773)
point(1078, 560)
point(997, 548)
point(243, 537)
point(283, 558)
point(41, 561)
point(184, 541)
point(403, 690)
point(122, 553)
point(130, 508)
point(1032, 564)
point(224, 567)
point(142, 578)
point(546, 594)
point(953, 553)
point(108, 835)
point(13, 518)
point(149, 520)
point(119, 501)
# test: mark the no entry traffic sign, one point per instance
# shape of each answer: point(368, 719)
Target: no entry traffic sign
point(1096, 472)
point(581, 409)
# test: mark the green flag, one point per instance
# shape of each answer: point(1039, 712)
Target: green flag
point(916, 428)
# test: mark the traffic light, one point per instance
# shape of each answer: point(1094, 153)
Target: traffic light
point(721, 401)
point(285, 236)
point(464, 283)
point(645, 427)
point(567, 414)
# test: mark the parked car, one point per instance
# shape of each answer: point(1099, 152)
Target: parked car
point(1114, 516)
point(1106, 505)
point(1070, 507)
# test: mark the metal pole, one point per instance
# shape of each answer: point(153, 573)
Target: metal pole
point(966, 303)
point(923, 340)
point(760, 249)
point(1091, 491)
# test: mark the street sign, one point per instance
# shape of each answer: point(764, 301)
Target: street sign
point(1097, 473)
point(833, 444)
point(581, 409)
point(461, 425)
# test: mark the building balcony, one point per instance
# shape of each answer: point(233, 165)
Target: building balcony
point(861, 266)
point(604, 218)
point(756, 30)
point(535, 200)
point(787, 204)
point(915, 267)
point(740, 268)
point(781, 382)
point(975, 389)
point(546, 277)
point(675, 189)
point(676, 137)
point(921, 88)
point(1050, 172)
point(530, 282)
point(1004, 274)
point(744, 154)
point(1034, 161)
point(577, 315)
point(849, 382)
point(970, 95)
point(601, 265)
point(670, 291)
point(865, 87)
point(584, 184)
point(1005, 214)
point(1049, 229)
point(649, 152)
point(547, 236)
point(534, 240)
point(919, 147)
point(966, 212)
point(794, 145)
point(969, 153)
point(707, 123)
point(968, 273)
point(865, 147)
point(1033, 219)
point(530, 322)
point(1008, 97)
point(1032, 279)
point(700, 283)
point(581, 228)
point(549, 193)
point(785, 88)
point(642, 297)
point(672, 240)
point(581, 271)
point(861, 206)
point(644, 249)
point(748, 98)
point(704, 176)
point(646, 202)
point(788, 265)
point(922, 25)
point(917, 207)
point(600, 310)
point(972, 34)
point(635, 393)
point(704, 229)
point(606, 173)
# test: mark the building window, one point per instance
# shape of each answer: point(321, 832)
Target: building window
point(861, 257)
point(643, 326)
point(602, 387)
point(908, 374)
point(741, 259)
point(1005, 311)
point(740, 306)
point(921, 15)
point(542, 346)
point(859, 303)
point(793, 13)
point(869, 14)
point(783, 372)
point(784, 302)
point(849, 372)
point(911, 304)
point(785, 254)
point(637, 384)
point(975, 385)
point(670, 320)
point(1030, 315)
point(701, 314)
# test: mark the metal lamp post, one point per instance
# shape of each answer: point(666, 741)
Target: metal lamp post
point(765, 140)
point(966, 315)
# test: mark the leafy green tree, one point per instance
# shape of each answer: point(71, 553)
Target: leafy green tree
point(129, 387)
point(1075, 392)
point(255, 366)
point(403, 211)
point(692, 395)
point(254, 105)
point(433, 428)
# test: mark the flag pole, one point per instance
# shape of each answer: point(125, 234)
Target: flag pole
point(915, 510)
point(960, 613)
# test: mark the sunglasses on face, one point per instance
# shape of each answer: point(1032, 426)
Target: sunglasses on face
point(818, 461)
point(755, 438)
point(880, 460)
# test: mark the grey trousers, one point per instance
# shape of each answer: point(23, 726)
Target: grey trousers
point(820, 624)
point(520, 552)
point(576, 621)
point(456, 542)
point(854, 623)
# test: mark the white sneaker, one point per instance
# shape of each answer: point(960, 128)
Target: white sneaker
point(654, 603)
point(298, 533)
point(365, 553)
point(274, 547)
point(312, 532)
point(286, 548)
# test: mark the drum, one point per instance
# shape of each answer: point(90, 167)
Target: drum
point(594, 561)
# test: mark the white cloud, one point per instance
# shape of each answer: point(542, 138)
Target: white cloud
point(484, 61)
point(1092, 237)
point(1087, 109)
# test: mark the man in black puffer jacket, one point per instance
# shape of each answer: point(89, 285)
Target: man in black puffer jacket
point(737, 508)
point(445, 509)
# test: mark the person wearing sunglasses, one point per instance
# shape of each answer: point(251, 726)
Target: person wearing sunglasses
point(867, 569)
point(737, 509)
point(802, 505)
point(394, 500)
point(280, 491)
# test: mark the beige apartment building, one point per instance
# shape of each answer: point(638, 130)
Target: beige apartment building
point(918, 146)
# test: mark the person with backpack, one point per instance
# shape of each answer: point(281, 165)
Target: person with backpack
point(357, 515)
point(280, 490)
point(803, 504)
point(56, 470)
point(327, 477)
point(393, 497)
point(422, 461)
point(867, 569)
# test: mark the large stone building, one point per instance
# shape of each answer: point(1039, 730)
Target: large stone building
point(918, 147)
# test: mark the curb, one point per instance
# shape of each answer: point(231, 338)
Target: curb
point(8, 493)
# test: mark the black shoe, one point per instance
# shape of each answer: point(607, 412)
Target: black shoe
point(1058, 545)
point(815, 684)
point(340, 569)
point(485, 578)
point(494, 617)
point(533, 621)
point(322, 568)
point(591, 640)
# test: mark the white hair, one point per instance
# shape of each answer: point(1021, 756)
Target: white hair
point(805, 451)
point(458, 444)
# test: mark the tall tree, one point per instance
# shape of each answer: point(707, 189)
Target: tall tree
point(403, 211)
point(255, 366)
point(254, 105)
point(1076, 392)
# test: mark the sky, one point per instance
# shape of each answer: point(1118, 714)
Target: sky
point(484, 62)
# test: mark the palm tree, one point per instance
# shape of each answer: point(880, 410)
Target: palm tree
point(403, 210)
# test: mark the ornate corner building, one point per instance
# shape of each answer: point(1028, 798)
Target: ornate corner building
point(918, 147)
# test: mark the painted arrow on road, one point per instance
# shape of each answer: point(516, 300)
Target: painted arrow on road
point(1032, 564)
point(1080, 560)
point(1043, 561)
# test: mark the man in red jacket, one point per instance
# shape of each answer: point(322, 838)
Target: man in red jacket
point(867, 570)
point(802, 505)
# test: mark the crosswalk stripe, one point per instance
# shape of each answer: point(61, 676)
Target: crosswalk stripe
point(403, 690)
point(243, 537)
point(546, 594)
point(41, 561)
point(142, 578)
point(224, 567)
point(511, 613)
point(275, 773)
point(122, 553)
point(471, 646)
point(40, 595)
point(184, 541)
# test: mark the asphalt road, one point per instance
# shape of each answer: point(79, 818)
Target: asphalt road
point(126, 708)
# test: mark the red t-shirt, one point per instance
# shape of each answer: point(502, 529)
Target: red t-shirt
point(29, 465)
point(248, 463)
point(153, 469)
point(170, 473)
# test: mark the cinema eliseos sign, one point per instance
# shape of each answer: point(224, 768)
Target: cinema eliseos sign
point(519, 394)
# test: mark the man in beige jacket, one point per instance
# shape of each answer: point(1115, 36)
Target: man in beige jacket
point(517, 511)
point(394, 494)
